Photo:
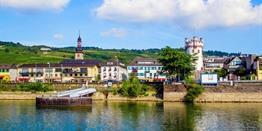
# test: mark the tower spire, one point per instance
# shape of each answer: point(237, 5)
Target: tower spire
point(79, 50)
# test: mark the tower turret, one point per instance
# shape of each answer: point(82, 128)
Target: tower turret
point(194, 47)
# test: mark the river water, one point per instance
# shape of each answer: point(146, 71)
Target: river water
point(129, 116)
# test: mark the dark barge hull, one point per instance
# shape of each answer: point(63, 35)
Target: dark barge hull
point(63, 101)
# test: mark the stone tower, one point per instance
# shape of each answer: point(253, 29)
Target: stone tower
point(79, 54)
point(194, 47)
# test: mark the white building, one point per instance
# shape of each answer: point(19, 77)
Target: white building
point(194, 47)
point(147, 69)
point(113, 70)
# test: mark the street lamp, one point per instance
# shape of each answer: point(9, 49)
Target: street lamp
point(49, 72)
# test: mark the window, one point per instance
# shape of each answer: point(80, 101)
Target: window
point(83, 70)
point(24, 70)
point(140, 68)
point(141, 74)
point(48, 70)
point(58, 70)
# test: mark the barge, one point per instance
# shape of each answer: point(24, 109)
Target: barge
point(76, 97)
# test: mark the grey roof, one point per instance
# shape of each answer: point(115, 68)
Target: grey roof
point(139, 61)
point(113, 63)
point(65, 63)
point(5, 66)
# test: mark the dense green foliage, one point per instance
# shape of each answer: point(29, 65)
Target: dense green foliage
point(193, 90)
point(26, 87)
point(221, 72)
point(19, 54)
point(219, 53)
point(132, 88)
point(176, 63)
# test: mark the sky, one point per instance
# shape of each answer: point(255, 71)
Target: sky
point(225, 25)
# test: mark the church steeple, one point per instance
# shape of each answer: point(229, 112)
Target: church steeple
point(79, 55)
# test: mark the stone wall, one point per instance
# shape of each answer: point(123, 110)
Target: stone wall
point(22, 95)
point(216, 97)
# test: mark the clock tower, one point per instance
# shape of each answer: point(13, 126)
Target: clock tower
point(79, 54)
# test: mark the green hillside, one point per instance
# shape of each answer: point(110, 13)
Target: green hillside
point(16, 53)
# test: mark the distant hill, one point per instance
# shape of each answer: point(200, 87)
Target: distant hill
point(17, 53)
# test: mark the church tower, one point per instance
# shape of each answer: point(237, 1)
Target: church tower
point(79, 54)
point(194, 47)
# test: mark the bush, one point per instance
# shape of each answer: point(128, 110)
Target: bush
point(132, 88)
point(34, 87)
point(193, 91)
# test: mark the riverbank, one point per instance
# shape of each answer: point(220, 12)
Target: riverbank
point(97, 96)
point(21, 95)
point(207, 97)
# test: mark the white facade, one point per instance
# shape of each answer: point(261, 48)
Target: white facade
point(113, 71)
point(146, 72)
point(209, 79)
point(194, 47)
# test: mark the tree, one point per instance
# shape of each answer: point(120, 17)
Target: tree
point(132, 87)
point(7, 50)
point(176, 62)
point(242, 71)
point(221, 72)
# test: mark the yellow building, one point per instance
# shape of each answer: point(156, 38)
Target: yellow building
point(259, 68)
point(4, 72)
point(78, 71)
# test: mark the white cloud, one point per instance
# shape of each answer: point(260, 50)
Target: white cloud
point(193, 13)
point(115, 32)
point(58, 36)
point(35, 4)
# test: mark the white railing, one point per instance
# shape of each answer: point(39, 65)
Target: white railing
point(77, 92)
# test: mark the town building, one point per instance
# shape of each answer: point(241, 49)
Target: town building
point(259, 68)
point(147, 69)
point(4, 72)
point(211, 64)
point(232, 65)
point(113, 71)
point(66, 71)
point(70, 70)
point(45, 50)
point(81, 70)
point(194, 47)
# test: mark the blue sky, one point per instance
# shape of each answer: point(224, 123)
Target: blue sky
point(138, 24)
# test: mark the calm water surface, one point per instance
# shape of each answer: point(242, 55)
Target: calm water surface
point(125, 116)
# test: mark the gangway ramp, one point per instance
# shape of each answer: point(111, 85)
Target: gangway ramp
point(83, 92)
point(76, 92)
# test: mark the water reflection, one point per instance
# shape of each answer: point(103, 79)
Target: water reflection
point(23, 115)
